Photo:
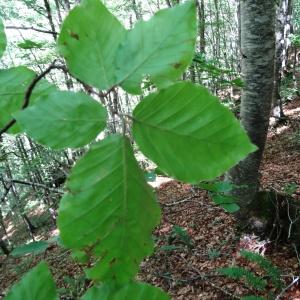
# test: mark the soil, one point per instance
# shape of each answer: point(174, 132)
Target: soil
point(196, 237)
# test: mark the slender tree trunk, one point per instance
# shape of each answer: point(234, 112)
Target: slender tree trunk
point(19, 204)
point(283, 28)
point(201, 20)
point(50, 19)
point(24, 158)
point(4, 247)
point(258, 48)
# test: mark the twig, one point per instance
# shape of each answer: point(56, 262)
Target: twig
point(32, 28)
point(295, 280)
point(29, 93)
point(189, 199)
point(297, 253)
point(290, 219)
point(33, 184)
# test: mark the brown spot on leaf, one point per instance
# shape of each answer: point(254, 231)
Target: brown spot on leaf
point(177, 65)
point(74, 35)
point(112, 261)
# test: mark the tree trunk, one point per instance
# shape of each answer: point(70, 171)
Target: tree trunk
point(258, 49)
point(201, 20)
point(283, 29)
point(4, 247)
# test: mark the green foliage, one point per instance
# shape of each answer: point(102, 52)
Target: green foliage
point(240, 273)
point(89, 40)
point(29, 44)
point(72, 120)
point(140, 291)
point(216, 186)
point(291, 188)
point(186, 119)
point(252, 298)
point(158, 48)
point(31, 248)
point(226, 202)
point(295, 40)
point(35, 248)
point(2, 39)
point(73, 287)
point(111, 208)
point(287, 89)
point(36, 285)
point(212, 71)
point(218, 190)
point(109, 211)
point(182, 235)
point(213, 253)
point(272, 273)
point(13, 85)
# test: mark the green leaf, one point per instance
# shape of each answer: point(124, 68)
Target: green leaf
point(188, 133)
point(239, 273)
point(31, 248)
point(110, 209)
point(13, 85)
point(252, 297)
point(272, 271)
point(104, 292)
point(3, 40)
point(63, 119)
point(35, 285)
point(89, 40)
point(29, 44)
point(131, 291)
point(216, 186)
point(80, 256)
point(140, 291)
point(230, 207)
point(161, 48)
point(223, 199)
point(227, 202)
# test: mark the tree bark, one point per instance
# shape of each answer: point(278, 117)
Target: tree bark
point(258, 49)
point(283, 29)
point(4, 247)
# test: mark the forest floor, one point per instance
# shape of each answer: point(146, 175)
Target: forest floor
point(195, 237)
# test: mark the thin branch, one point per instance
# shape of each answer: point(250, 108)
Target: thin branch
point(33, 184)
point(295, 280)
point(29, 93)
point(189, 199)
point(31, 28)
point(7, 189)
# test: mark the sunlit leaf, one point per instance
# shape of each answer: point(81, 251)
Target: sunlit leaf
point(31, 248)
point(2, 39)
point(140, 291)
point(63, 119)
point(131, 291)
point(37, 284)
point(162, 48)
point(89, 40)
point(14, 83)
point(110, 209)
point(216, 186)
point(29, 44)
point(188, 133)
